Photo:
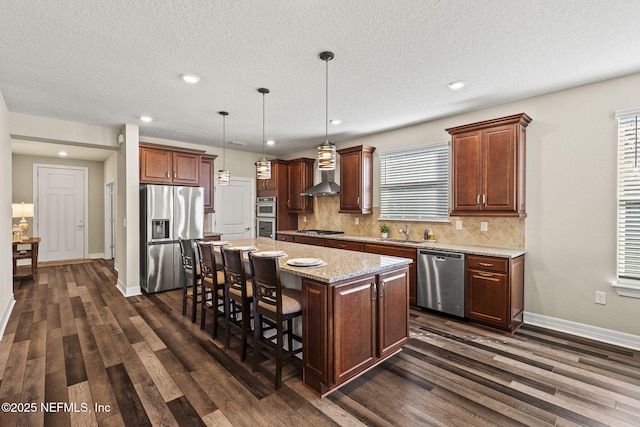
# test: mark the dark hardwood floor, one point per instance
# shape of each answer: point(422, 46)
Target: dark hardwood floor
point(74, 343)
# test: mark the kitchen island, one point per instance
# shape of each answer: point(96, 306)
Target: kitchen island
point(355, 309)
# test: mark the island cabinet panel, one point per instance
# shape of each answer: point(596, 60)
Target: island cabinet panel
point(316, 335)
point(495, 291)
point(393, 324)
point(398, 251)
point(354, 327)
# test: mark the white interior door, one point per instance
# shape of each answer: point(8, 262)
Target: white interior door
point(60, 212)
point(234, 205)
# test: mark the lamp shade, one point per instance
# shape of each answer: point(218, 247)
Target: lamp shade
point(22, 210)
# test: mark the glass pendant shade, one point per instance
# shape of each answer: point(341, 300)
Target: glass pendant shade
point(224, 177)
point(327, 151)
point(327, 156)
point(263, 167)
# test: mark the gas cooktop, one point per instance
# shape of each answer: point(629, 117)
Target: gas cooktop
point(323, 232)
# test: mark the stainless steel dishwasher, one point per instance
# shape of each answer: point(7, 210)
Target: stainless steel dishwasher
point(440, 281)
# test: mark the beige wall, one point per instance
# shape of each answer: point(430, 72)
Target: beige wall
point(22, 191)
point(571, 197)
point(6, 280)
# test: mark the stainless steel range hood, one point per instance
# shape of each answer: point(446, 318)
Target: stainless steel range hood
point(326, 186)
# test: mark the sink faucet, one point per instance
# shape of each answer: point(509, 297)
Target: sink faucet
point(405, 232)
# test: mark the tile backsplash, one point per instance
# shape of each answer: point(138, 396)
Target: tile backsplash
point(501, 232)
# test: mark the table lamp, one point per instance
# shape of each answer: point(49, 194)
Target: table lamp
point(22, 210)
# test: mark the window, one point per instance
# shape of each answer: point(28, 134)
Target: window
point(414, 184)
point(628, 202)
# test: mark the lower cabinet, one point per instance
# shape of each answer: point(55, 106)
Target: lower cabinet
point(412, 253)
point(361, 322)
point(495, 291)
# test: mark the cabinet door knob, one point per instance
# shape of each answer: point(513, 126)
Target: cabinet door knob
point(375, 291)
point(485, 264)
point(486, 274)
point(478, 199)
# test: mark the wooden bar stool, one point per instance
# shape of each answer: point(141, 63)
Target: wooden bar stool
point(238, 295)
point(214, 279)
point(192, 288)
point(273, 305)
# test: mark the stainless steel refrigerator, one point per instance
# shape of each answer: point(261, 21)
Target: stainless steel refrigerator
point(167, 214)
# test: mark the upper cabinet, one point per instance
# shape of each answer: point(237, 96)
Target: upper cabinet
point(356, 179)
point(300, 177)
point(488, 160)
point(207, 181)
point(274, 186)
point(167, 165)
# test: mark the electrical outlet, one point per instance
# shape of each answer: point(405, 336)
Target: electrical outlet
point(357, 221)
point(601, 297)
point(304, 218)
point(484, 226)
point(458, 225)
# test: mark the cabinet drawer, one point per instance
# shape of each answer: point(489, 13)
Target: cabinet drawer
point(284, 237)
point(500, 265)
point(309, 240)
point(343, 244)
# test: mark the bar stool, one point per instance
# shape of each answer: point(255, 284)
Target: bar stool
point(273, 305)
point(192, 285)
point(213, 279)
point(238, 296)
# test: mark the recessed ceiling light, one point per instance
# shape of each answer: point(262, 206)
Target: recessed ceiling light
point(146, 118)
point(456, 85)
point(270, 142)
point(335, 121)
point(62, 153)
point(190, 78)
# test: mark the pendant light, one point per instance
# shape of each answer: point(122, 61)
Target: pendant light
point(224, 176)
point(263, 167)
point(327, 151)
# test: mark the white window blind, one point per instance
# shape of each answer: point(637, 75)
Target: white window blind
point(629, 196)
point(414, 184)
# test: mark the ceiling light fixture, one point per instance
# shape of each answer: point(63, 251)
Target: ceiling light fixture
point(263, 167)
point(270, 142)
point(335, 122)
point(62, 153)
point(327, 151)
point(190, 78)
point(146, 118)
point(224, 176)
point(456, 85)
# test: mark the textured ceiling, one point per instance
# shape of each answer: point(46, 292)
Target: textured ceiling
point(108, 62)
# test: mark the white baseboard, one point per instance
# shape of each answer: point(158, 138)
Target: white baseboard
point(596, 333)
point(128, 292)
point(96, 256)
point(6, 313)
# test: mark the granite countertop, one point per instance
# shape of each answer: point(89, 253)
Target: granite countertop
point(467, 249)
point(340, 264)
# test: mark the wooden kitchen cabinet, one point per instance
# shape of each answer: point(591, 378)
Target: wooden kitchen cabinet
point(278, 186)
point(284, 237)
point(167, 165)
point(344, 244)
point(494, 294)
point(365, 320)
point(207, 181)
point(488, 162)
point(300, 177)
point(356, 179)
point(308, 240)
point(398, 251)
